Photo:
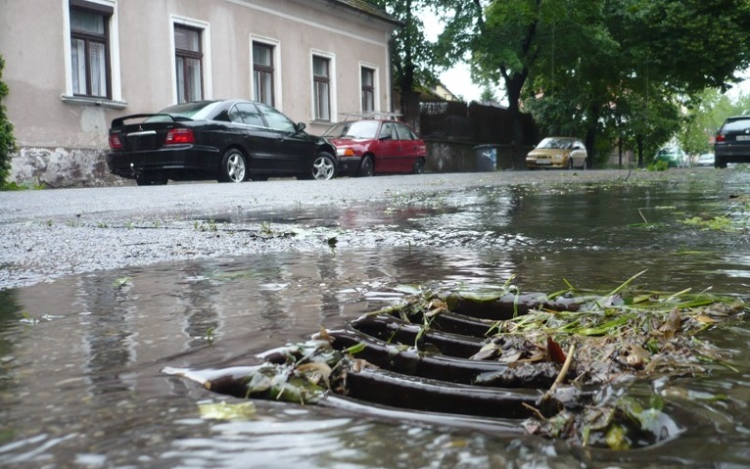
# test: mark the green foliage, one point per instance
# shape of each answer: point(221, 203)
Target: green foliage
point(687, 44)
point(411, 53)
point(26, 186)
point(7, 141)
point(621, 70)
point(705, 115)
point(488, 95)
point(720, 223)
point(658, 165)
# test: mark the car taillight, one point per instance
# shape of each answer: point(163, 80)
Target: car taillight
point(179, 136)
point(720, 138)
point(114, 142)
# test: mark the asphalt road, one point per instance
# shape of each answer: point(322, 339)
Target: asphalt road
point(50, 233)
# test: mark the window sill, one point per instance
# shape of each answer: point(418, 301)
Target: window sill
point(87, 101)
point(320, 122)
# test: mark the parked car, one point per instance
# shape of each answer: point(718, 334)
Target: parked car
point(230, 141)
point(706, 159)
point(674, 157)
point(558, 152)
point(732, 143)
point(369, 146)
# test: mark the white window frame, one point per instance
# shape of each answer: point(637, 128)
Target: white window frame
point(375, 85)
point(277, 88)
point(205, 50)
point(113, 50)
point(331, 79)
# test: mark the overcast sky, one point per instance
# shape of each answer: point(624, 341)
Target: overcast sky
point(458, 78)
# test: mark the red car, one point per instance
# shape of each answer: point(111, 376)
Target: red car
point(368, 146)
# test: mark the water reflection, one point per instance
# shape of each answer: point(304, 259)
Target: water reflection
point(83, 387)
point(107, 338)
point(9, 321)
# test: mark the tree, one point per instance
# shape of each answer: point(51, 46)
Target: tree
point(500, 38)
point(638, 62)
point(585, 58)
point(411, 53)
point(487, 95)
point(705, 115)
point(509, 41)
point(7, 141)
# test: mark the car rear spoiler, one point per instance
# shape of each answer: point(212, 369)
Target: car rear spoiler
point(120, 121)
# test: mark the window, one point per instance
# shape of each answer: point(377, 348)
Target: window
point(276, 120)
point(263, 71)
point(368, 89)
point(188, 63)
point(245, 113)
point(387, 132)
point(404, 132)
point(322, 88)
point(89, 48)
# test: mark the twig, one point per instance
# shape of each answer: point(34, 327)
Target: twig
point(644, 218)
point(564, 370)
point(536, 411)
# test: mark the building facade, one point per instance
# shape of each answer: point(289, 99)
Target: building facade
point(74, 65)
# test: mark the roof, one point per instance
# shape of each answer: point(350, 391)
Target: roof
point(366, 7)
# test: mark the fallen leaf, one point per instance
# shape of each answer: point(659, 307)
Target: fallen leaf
point(556, 353)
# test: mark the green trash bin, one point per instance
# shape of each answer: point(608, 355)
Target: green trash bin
point(486, 157)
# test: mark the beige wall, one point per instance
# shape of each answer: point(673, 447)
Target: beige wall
point(33, 40)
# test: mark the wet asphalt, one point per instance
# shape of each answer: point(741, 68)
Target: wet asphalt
point(46, 234)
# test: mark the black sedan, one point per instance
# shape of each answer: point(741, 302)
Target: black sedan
point(732, 144)
point(230, 141)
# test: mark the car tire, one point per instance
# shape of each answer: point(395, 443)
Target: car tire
point(366, 167)
point(323, 167)
point(570, 163)
point(233, 166)
point(150, 180)
point(418, 166)
point(720, 162)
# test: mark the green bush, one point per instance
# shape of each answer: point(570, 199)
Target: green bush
point(7, 141)
point(658, 165)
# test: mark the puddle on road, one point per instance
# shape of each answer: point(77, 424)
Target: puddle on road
point(81, 357)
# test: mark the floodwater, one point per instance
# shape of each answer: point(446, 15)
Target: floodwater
point(81, 358)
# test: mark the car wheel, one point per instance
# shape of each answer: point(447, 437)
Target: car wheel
point(570, 163)
point(720, 162)
point(324, 167)
point(150, 180)
point(366, 168)
point(233, 166)
point(418, 166)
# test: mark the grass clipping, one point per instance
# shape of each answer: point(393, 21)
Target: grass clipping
point(621, 337)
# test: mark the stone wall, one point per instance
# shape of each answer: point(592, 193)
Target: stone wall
point(62, 167)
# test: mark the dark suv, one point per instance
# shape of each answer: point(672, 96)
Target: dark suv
point(732, 143)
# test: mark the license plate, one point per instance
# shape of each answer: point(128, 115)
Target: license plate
point(743, 138)
point(542, 162)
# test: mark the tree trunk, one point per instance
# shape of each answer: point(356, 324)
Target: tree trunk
point(591, 134)
point(513, 86)
point(639, 144)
